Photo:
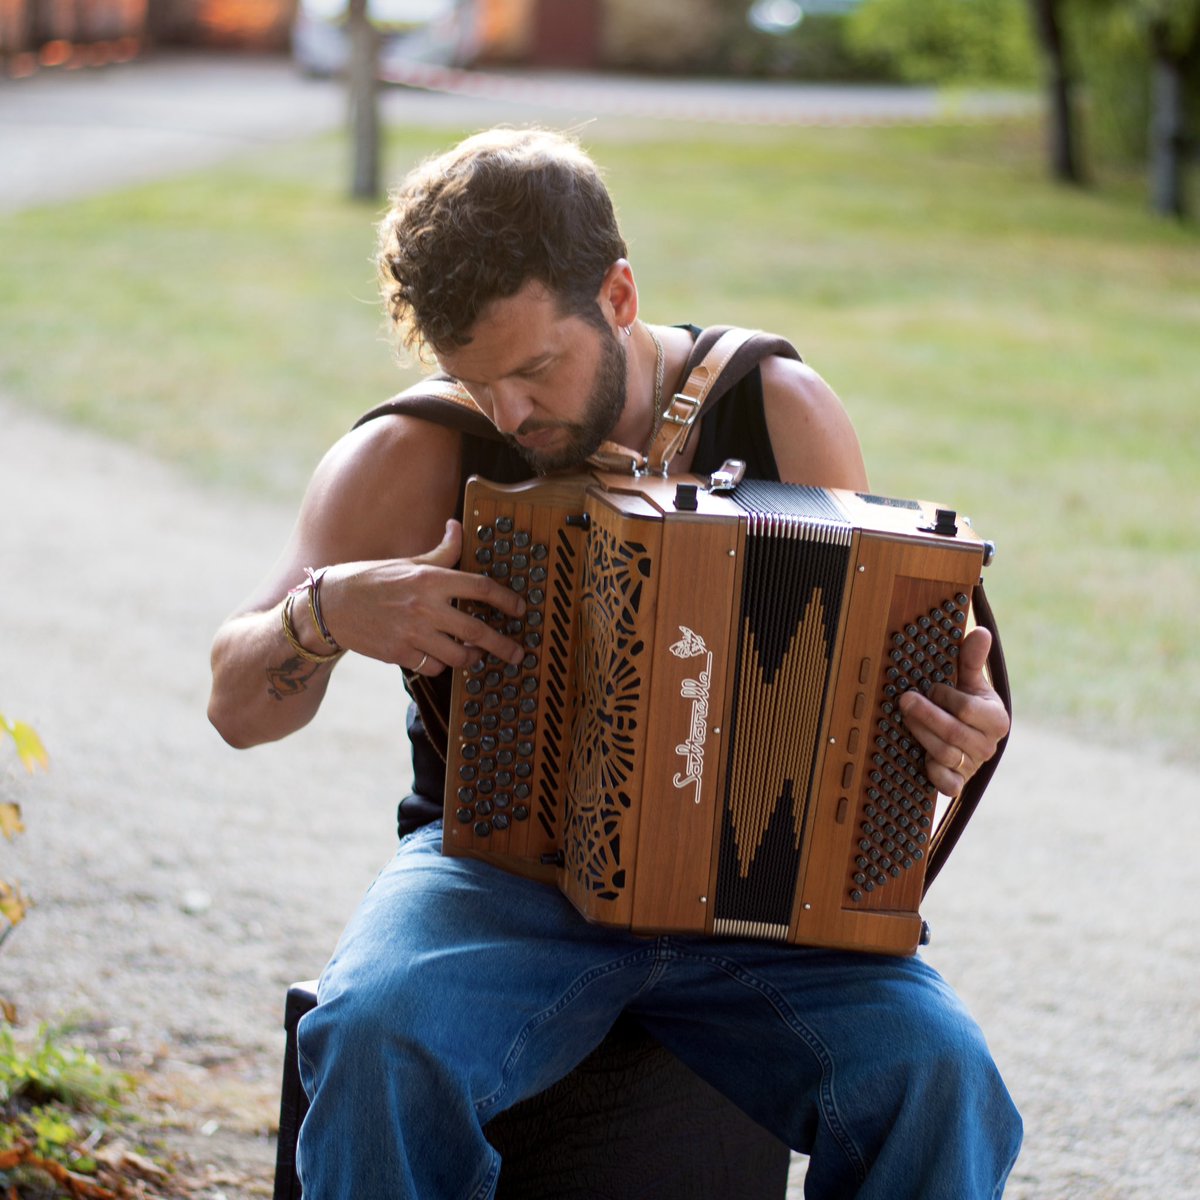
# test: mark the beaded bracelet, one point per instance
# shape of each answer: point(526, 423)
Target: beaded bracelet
point(289, 631)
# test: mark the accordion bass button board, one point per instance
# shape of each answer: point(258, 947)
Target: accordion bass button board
point(704, 735)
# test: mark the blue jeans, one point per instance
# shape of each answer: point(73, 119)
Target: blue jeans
point(458, 989)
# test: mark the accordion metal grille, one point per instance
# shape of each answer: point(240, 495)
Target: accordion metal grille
point(611, 673)
point(557, 694)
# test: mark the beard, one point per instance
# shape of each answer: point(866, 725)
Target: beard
point(604, 406)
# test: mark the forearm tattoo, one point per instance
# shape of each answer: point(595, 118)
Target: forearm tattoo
point(290, 678)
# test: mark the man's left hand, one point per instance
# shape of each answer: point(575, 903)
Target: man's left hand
point(960, 726)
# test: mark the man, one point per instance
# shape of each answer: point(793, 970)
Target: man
point(457, 989)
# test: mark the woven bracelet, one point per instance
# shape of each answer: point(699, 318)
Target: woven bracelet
point(289, 631)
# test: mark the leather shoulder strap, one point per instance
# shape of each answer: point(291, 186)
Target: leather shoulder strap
point(721, 356)
point(438, 399)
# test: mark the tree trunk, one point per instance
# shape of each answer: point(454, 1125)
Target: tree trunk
point(166, 22)
point(1170, 140)
point(364, 103)
point(1063, 144)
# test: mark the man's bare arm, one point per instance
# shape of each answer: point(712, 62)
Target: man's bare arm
point(376, 514)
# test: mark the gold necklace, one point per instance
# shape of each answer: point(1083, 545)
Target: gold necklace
point(660, 365)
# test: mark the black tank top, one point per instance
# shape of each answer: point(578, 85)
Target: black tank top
point(735, 427)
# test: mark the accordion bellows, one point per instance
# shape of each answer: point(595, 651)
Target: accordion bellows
point(703, 735)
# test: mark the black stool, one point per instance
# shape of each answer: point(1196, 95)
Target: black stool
point(631, 1122)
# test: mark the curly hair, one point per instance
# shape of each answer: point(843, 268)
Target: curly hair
point(477, 223)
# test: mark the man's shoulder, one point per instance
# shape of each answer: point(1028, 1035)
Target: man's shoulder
point(390, 440)
point(385, 480)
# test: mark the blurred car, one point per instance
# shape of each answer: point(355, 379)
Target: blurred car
point(429, 31)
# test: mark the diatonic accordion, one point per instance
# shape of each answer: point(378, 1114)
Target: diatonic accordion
point(703, 735)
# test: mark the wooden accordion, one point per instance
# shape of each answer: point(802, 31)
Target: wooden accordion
point(703, 735)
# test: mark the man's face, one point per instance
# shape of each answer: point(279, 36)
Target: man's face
point(554, 386)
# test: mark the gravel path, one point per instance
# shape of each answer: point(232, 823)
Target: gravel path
point(181, 885)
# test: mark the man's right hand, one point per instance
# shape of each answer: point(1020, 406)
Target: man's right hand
point(403, 611)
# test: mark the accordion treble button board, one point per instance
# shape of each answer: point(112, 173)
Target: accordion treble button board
point(506, 718)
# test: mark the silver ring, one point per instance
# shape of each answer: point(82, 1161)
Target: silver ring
point(425, 658)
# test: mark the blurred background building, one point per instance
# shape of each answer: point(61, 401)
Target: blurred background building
point(661, 35)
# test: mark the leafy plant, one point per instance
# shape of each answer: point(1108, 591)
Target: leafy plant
point(51, 1072)
point(32, 754)
point(56, 1103)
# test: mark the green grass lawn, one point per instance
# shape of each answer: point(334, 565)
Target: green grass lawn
point(1027, 354)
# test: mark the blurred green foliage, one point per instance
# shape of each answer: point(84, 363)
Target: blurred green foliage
point(1109, 49)
point(817, 49)
point(946, 41)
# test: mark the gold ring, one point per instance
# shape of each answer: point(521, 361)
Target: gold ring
point(962, 758)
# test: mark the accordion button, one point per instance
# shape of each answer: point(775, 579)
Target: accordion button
point(465, 816)
point(521, 539)
point(484, 808)
point(485, 533)
point(539, 552)
point(500, 821)
point(536, 595)
point(521, 813)
point(521, 791)
point(504, 524)
point(483, 828)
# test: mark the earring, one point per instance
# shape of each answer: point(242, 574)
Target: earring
point(627, 330)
